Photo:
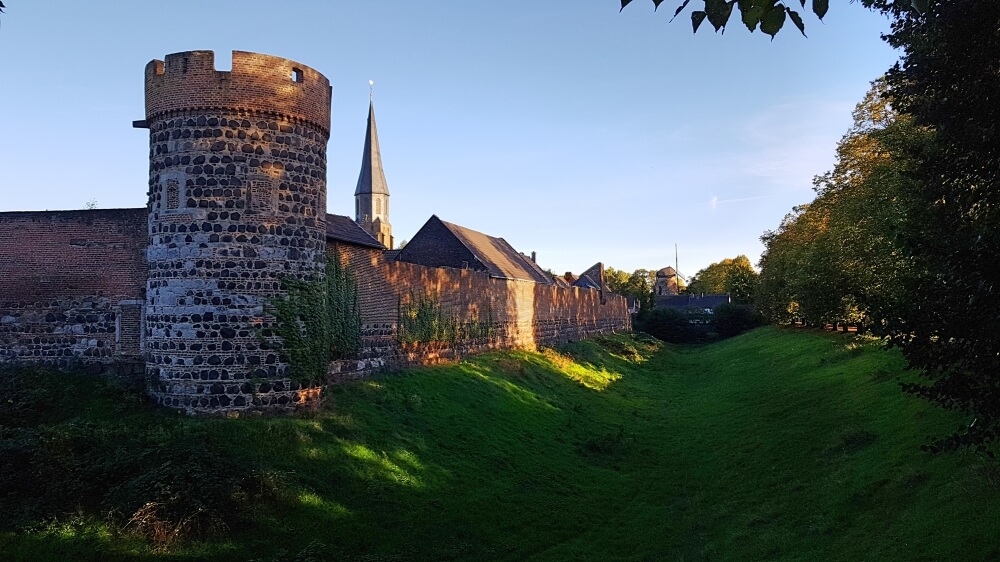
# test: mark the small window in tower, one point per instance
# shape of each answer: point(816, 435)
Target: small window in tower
point(357, 208)
point(297, 75)
point(173, 194)
point(378, 206)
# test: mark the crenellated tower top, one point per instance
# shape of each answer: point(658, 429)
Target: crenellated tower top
point(257, 83)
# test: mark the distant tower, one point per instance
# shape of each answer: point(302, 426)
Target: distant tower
point(237, 202)
point(371, 197)
point(666, 282)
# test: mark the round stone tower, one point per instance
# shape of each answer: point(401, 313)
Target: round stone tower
point(237, 202)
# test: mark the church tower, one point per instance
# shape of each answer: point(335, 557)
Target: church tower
point(371, 198)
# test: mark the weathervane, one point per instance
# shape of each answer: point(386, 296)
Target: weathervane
point(371, 90)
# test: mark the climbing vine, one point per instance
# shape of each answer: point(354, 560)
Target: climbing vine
point(421, 320)
point(316, 321)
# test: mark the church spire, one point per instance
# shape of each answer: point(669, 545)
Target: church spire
point(372, 178)
point(371, 197)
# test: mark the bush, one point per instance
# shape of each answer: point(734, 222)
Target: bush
point(672, 326)
point(733, 319)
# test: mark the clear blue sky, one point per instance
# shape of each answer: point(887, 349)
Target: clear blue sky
point(566, 127)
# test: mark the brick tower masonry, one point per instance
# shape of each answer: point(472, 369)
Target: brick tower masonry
point(237, 201)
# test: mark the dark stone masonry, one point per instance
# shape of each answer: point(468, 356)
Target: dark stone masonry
point(237, 201)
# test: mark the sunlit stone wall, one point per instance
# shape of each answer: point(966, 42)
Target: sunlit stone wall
point(522, 314)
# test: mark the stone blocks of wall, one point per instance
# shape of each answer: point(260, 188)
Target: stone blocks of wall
point(72, 286)
point(237, 203)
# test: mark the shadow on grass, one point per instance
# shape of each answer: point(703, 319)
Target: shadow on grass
point(768, 445)
point(446, 452)
point(460, 453)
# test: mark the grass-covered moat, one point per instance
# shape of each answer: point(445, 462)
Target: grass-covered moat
point(777, 444)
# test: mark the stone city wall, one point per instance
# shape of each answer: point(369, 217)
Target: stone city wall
point(72, 286)
point(237, 202)
point(522, 314)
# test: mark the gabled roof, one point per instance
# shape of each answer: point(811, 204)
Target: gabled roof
point(344, 229)
point(587, 282)
point(371, 179)
point(538, 269)
point(666, 272)
point(496, 255)
point(593, 277)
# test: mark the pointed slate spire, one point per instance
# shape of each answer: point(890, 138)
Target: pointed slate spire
point(372, 178)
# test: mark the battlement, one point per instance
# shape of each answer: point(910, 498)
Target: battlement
point(258, 83)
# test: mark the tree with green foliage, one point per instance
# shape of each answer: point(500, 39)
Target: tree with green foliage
point(734, 276)
point(770, 15)
point(637, 285)
point(948, 80)
point(730, 320)
point(911, 224)
point(767, 15)
point(741, 284)
point(671, 325)
point(615, 279)
point(842, 257)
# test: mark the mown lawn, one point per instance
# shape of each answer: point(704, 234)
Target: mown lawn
point(778, 444)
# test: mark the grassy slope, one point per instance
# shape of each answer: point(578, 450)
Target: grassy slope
point(775, 444)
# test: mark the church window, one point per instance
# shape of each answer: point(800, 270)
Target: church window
point(378, 206)
point(357, 208)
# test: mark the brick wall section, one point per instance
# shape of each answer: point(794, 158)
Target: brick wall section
point(65, 279)
point(258, 83)
point(524, 314)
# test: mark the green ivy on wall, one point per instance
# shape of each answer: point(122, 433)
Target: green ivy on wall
point(421, 320)
point(316, 321)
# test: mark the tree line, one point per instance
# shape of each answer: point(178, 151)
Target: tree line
point(902, 236)
point(733, 276)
